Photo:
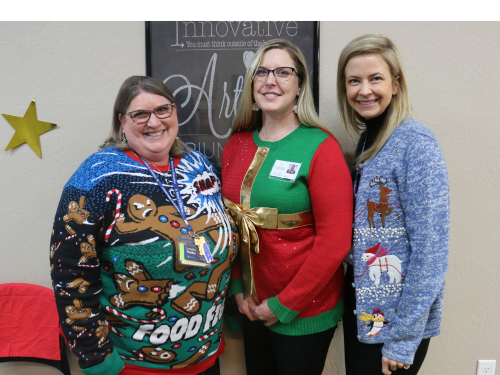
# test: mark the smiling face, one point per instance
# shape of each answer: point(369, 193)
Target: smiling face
point(369, 85)
point(152, 140)
point(276, 99)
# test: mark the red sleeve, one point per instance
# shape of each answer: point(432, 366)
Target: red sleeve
point(330, 189)
point(226, 159)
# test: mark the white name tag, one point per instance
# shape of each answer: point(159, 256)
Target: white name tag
point(286, 170)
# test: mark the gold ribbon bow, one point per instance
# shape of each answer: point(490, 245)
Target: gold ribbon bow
point(247, 219)
point(265, 218)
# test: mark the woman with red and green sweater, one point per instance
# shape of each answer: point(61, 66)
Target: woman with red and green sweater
point(286, 183)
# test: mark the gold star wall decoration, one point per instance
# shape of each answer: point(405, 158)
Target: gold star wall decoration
point(28, 129)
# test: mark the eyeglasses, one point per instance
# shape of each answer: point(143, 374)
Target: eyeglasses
point(282, 74)
point(143, 115)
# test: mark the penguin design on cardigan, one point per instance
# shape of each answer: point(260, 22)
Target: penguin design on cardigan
point(377, 322)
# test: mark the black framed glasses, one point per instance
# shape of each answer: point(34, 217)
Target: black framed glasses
point(143, 115)
point(282, 74)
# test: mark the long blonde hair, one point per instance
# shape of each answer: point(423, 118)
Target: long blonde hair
point(398, 110)
point(249, 120)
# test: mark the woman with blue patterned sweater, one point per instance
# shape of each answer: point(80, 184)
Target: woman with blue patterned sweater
point(142, 247)
point(397, 266)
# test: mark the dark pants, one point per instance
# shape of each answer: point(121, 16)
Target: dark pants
point(366, 359)
point(270, 353)
point(214, 370)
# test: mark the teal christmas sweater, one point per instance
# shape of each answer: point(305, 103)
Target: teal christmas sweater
point(297, 270)
point(123, 296)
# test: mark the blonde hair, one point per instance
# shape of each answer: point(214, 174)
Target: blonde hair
point(399, 108)
point(249, 120)
point(132, 87)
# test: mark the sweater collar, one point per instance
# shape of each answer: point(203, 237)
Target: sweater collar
point(373, 127)
point(273, 145)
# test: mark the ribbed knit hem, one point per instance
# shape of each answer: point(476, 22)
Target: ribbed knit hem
point(284, 314)
point(111, 366)
point(235, 286)
point(315, 324)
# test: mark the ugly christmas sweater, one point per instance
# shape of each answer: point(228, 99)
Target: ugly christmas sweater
point(401, 233)
point(122, 294)
point(298, 270)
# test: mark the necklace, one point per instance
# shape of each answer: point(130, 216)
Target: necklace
point(151, 164)
point(158, 169)
point(270, 139)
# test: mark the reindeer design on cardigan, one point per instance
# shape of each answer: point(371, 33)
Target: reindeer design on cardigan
point(383, 206)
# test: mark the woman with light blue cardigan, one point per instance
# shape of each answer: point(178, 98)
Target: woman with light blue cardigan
point(397, 266)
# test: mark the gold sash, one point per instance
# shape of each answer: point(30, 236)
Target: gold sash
point(264, 217)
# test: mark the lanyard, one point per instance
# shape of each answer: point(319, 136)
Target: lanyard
point(356, 178)
point(179, 205)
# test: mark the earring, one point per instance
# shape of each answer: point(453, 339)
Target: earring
point(295, 108)
point(124, 138)
point(255, 107)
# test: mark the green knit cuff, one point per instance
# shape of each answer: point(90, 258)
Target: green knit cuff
point(313, 324)
point(111, 366)
point(235, 286)
point(284, 314)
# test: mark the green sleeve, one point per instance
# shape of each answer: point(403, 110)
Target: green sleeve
point(235, 287)
point(111, 366)
point(284, 314)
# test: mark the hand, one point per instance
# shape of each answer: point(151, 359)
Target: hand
point(388, 363)
point(243, 305)
point(264, 313)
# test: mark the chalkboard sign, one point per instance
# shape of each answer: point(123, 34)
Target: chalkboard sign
point(204, 64)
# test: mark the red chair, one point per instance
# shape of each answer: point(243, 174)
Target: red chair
point(30, 326)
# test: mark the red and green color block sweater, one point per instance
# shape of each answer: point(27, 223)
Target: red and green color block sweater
point(298, 270)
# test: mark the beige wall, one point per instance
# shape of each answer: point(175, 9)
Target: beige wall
point(74, 71)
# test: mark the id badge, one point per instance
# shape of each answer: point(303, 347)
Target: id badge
point(285, 171)
point(203, 247)
point(190, 254)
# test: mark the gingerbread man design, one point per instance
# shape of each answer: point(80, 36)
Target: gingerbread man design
point(77, 312)
point(88, 249)
point(156, 354)
point(196, 357)
point(189, 302)
point(160, 355)
point(79, 283)
point(164, 221)
point(77, 212)
point(139, 288)
point(101, 332)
